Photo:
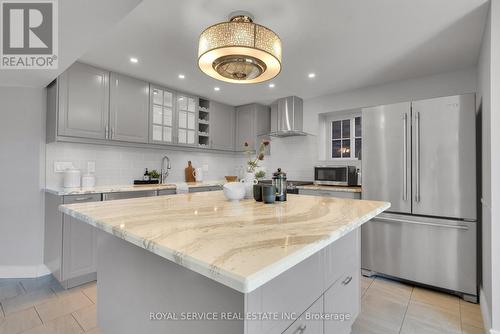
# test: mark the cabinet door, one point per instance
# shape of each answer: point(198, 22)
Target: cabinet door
point(245, 127)
point(187, 120)
point(79, 248)
point(343, 301)
point(222, 126)
point(309, 322)
point(161, 116)
point(129, 109)
point(83, 102)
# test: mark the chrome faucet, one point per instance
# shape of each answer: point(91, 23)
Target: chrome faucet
point(165, 170)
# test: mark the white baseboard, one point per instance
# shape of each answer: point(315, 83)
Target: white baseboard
point(23, 271)
point(485, 312)
point(492, 331)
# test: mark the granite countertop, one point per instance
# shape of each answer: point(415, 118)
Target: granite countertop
point(61, 191)
point(351, 189)
point(242, 245)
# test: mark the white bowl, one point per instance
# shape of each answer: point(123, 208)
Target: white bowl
point(234, 191)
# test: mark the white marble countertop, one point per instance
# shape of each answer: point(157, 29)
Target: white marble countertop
point(242, 245)
point(351, 189)
point(61, 191)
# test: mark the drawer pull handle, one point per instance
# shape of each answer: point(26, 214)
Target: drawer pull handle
point(347, 280)
point(301, 329)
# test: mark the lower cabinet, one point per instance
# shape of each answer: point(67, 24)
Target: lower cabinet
point(310, 322)
point(330, 193)
point(342, 303)
point(203, 189)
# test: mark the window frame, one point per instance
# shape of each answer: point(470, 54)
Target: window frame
point(352, 136)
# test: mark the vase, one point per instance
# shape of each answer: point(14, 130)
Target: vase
point(249, 181)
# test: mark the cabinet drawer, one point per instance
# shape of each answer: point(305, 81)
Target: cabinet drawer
point(70, 199)
point(330, 193)
point(203, 189)
point(310, 321)
point(342, 303)
point(167, 192)
point(340, 257)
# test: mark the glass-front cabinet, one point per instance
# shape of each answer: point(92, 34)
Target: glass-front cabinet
point(173, 117)
point(187, 107)
point(162, 116)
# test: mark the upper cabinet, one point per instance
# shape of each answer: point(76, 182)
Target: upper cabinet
point(90, 105)
point(187, 115)
point(161, 116)
point(83, 102)
point(128, 109)
point(222, 126)
point(252, 122)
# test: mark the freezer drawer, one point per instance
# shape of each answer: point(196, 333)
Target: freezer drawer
point(436, 252)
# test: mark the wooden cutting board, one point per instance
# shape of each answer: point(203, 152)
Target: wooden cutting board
point(188, 171)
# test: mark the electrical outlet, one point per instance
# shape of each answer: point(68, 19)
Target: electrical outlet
point(61, 166)
point(91, 166)
point(205, 167)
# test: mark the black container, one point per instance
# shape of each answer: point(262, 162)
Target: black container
point(268, 194)
point(257, 192)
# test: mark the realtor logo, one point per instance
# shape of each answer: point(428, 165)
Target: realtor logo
point(29, 34)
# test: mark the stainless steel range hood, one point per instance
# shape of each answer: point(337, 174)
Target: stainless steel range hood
point(287, 117)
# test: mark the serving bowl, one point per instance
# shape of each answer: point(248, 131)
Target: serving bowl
point(234, 191)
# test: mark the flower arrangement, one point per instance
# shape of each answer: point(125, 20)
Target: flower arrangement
point(253, 163)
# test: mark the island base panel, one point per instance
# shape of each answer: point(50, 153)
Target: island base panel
point(133, 282)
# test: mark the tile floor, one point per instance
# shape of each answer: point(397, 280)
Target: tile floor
point(390, 307)
point(41, 306)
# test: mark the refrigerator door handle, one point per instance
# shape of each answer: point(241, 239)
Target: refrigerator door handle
point(405, 158)
point(394, 220)
point(417, 156)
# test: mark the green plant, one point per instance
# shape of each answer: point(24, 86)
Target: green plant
point(253, 163)
point(154, 174)
point(260, 174)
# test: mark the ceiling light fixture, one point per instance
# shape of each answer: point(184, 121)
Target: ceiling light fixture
point(134, 60)
point(239, 51)
point(216, 89)
point(271, 85)
point(311, 75)
point(181, 76)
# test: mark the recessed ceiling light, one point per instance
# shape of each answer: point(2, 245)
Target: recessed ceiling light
point(181, 76)
point(311, 75)
point(216, 89)
point(134, 60)
point(271, 85)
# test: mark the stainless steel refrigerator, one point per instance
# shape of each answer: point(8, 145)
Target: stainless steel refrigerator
point(421, 157)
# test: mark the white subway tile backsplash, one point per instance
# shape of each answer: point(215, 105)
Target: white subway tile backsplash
point(121, 165)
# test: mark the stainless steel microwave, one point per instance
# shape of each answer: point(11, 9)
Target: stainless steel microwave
point(336, 175)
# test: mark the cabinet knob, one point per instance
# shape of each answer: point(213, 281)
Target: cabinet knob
point(347, 280)
point(301, 329)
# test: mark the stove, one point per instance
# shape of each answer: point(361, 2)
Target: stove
point(291, 186)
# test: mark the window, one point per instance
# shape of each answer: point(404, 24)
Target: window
point(346, 138)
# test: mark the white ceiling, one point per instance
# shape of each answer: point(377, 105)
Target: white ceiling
point(80, 24)
point(347, 43)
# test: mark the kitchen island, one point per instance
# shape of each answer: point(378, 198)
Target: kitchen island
point(196, 263)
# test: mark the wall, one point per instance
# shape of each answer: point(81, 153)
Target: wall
point(298, 155)
point(22, 136)
point(121, 165)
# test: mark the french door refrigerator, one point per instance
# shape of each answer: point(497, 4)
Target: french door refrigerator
point(420, 156)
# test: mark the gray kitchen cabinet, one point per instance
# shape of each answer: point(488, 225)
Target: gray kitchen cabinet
point(330, 193)
point(252, 121)
point(128, 109)
point(162, 116)
point(307, 324)
point(222, 123)
point(167, 192)
point(204, 188)
point(82, 102)
point(186, 112)
point(128, 194)
point(70, 245)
